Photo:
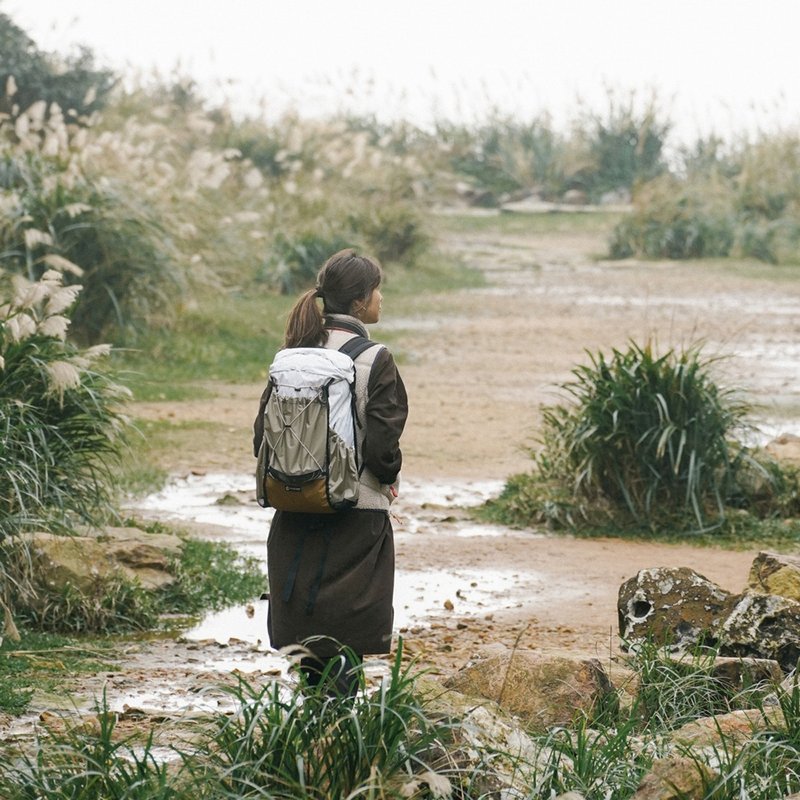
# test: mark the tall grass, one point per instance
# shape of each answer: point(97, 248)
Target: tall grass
point(742, 199)
point(648, 433)
point(651, 441)
point(325, 746)
point(57, 214)
point(61, 421)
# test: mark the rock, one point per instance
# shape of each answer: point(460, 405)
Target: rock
point(671, 606)
point(473, 730)
point(765, 626)
point(675, 778)
point(785, 447)
point(542, 691)
point(775, 573)
point(743, 673)
point(736, 726)
point(81, 560)
point(570, 796)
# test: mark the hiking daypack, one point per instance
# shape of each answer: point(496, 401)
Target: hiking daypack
point(308, 459)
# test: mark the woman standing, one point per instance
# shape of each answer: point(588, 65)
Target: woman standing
point(331, 576)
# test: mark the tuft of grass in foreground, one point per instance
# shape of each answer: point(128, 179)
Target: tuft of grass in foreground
point(280, 742)
point(284, 741)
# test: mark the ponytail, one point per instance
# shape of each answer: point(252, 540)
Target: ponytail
point(306, 325)
point(344, 278)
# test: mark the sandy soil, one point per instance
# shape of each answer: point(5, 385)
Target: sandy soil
point(477, 372)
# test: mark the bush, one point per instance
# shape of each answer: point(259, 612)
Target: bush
point(676, 220)
point(392, 232)
point(55, 215)
point(649, 435)
point(294, 262)
point(61, 425)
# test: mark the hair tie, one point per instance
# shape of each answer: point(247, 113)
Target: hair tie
point(317, 292)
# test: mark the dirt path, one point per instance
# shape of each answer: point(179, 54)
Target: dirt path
point(478, 371)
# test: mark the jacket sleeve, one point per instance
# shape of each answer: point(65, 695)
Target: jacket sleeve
point(387, 410)
point(258, 424)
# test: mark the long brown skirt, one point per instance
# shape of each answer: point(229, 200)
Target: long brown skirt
point(332, 576)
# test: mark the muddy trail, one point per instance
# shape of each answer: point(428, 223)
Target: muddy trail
point(478, 364)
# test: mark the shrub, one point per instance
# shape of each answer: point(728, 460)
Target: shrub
point(54, 214)
point(650, 435)
point(392, 231)
point(624, 146)
point(61, 425)
point(294, 262)
point(672, 219)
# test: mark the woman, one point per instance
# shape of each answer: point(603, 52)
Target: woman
point(331, 576)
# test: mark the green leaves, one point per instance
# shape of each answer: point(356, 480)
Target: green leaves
point(651, 434)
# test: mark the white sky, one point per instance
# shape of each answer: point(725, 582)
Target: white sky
point(716, 64)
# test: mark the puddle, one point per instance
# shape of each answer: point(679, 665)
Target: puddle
point(226, 502)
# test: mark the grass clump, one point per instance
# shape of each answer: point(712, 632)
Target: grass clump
point(61, 422)
point(648, 442)
point(323, 746)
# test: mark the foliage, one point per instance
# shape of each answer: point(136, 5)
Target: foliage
point(294, 263)
point(648, 441)
point(56, 214)
point(675, 219)
point(392, 232)
point(652, 434)
point(207, 576)
point(60, 416)
point(741, 200)
point(625, 145)
point(674, 690)
point(74, 83)
point(79, 763)
point(324, 746)
point(211, 576)
point(43, 662)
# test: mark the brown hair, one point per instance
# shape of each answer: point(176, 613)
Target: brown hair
point(344, 278)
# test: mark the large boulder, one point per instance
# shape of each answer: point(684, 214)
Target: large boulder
point(775, 573)
point(671, 606)
point(80, 561)
point(721, 730)
point(543, 691)
point(765, 626)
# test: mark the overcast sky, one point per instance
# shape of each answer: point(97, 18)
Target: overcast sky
point(716, 64)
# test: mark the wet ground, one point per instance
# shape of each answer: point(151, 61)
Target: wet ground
point(478, 366)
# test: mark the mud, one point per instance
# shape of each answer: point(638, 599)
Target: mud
point(478, 365)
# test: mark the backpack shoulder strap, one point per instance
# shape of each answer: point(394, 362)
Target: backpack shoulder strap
point(356, 346)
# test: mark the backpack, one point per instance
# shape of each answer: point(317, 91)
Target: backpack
point(308, 460)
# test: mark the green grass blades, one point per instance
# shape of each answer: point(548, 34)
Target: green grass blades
point(312, 745)
point(93, 760)
point(44, 662)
